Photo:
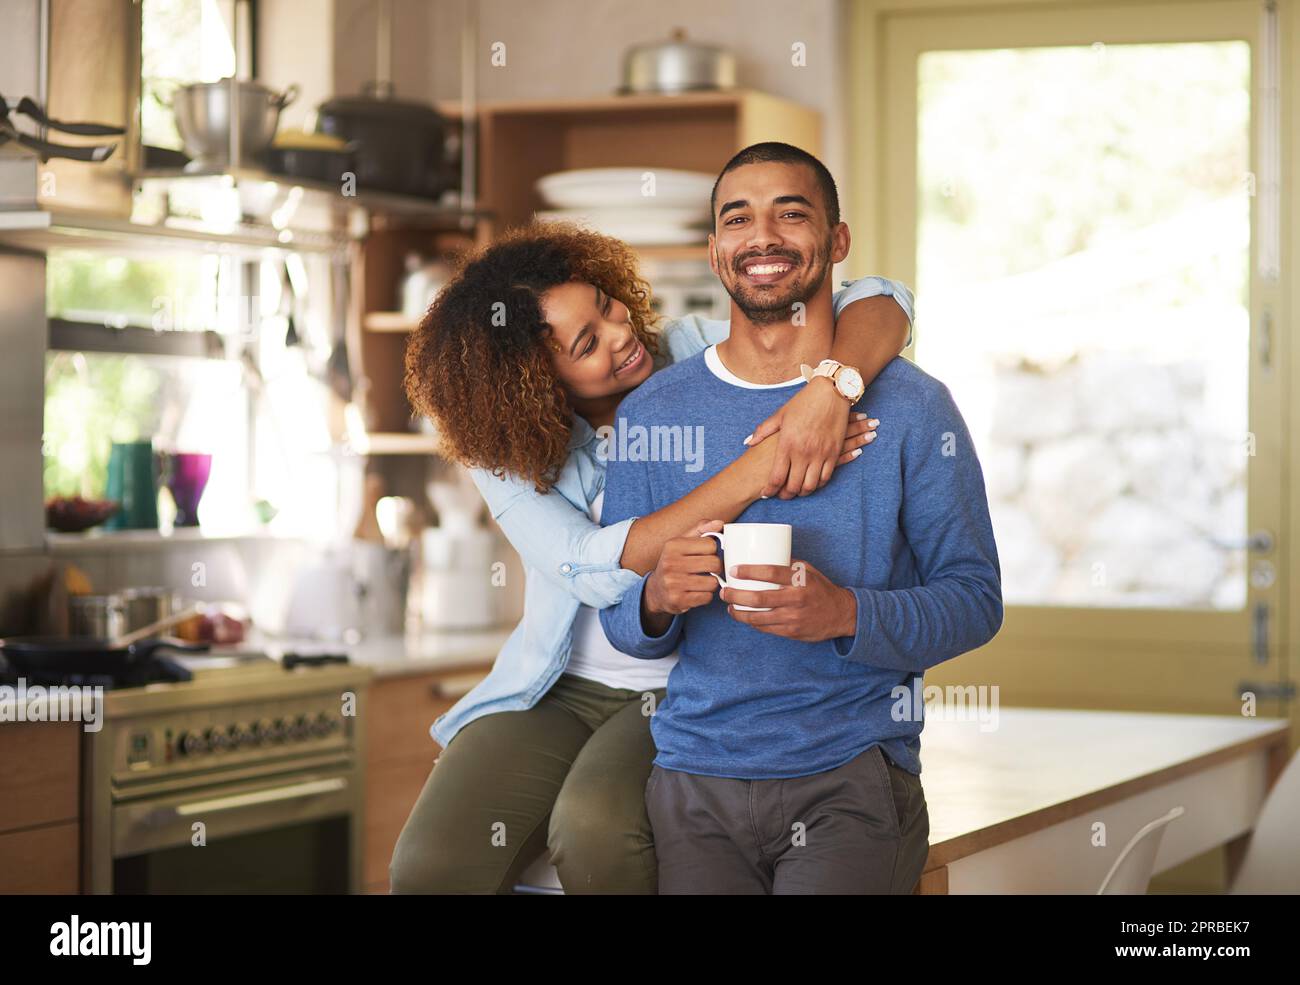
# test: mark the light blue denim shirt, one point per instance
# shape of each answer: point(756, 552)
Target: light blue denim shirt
point(568, 559)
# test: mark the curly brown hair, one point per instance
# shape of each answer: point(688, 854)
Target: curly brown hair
point(478, 365)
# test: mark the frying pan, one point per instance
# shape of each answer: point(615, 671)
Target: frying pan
point(45, 148)
point(84, 655)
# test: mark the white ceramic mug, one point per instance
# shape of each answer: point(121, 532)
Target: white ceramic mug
point(752, 543)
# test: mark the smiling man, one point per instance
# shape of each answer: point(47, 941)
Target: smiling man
point(786, 761)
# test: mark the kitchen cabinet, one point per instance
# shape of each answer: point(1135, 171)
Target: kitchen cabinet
point(400, 753)
point(40, 766)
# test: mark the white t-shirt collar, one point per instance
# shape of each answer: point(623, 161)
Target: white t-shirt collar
point(716, 367)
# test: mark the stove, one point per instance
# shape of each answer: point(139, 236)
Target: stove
point(226, 773)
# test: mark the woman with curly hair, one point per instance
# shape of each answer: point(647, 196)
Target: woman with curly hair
point(519, 362)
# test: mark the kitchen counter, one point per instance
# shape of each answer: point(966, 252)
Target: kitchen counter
point(1016, 808)
point(399, 655)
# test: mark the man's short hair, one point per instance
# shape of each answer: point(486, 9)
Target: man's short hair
point(773, 151)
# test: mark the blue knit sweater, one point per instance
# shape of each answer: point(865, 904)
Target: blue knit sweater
point(906, 527)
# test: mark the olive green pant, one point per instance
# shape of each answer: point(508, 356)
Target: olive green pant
point(568, 775)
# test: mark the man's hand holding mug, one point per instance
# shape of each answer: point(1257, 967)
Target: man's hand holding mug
point(683, 578)
point(806, 606)
point(764, 587)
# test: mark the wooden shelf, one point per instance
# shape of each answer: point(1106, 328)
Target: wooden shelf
point(522, 141)
point(389, 321)
point(397, 443)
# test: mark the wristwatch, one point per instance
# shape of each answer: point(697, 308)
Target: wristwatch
point(847, 380)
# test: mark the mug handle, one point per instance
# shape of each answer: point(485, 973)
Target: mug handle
point(715, 533)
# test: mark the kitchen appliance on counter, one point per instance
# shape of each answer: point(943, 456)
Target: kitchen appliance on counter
point(456, 586)
point(351, 593)
point(245, 778)
point(459, 587)
point(677, 65)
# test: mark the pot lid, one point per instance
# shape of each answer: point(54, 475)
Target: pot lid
point(393, 110)
point(677, 41)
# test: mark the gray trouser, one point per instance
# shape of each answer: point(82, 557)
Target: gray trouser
point(862, 827)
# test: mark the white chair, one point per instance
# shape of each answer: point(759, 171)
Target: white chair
point(540, 879)
point(1131, 873)
point(1272, 862)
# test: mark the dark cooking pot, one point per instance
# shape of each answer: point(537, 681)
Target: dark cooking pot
point(399, 144)
point(318, 163)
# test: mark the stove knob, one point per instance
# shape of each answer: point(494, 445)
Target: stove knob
point(216, 740)
point(235, 737)
point(190, 744)
point(260, 731)
point(302, 728)
point(279, 730)
point(323, 726)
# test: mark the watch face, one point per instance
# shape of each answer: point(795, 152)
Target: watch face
point(849, 383)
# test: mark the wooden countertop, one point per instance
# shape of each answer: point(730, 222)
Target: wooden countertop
point(1042, 766)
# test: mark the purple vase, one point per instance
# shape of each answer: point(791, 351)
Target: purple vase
point(187, 478)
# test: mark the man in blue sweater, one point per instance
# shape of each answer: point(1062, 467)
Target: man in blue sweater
point(789, 758)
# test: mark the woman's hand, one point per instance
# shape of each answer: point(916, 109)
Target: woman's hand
point(814, 434)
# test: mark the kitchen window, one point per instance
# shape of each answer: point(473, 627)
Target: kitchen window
point(1086, 201)
point(201, 353)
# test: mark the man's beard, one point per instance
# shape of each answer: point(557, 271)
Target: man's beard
point(764, 307)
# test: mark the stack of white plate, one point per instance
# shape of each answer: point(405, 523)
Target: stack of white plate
point(641, 206)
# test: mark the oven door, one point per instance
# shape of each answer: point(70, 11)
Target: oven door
point(295, 833)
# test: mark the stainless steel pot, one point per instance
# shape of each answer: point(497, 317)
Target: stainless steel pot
point(145, 606)
point(99, 616)
point(677, 65)
point(202, 113)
